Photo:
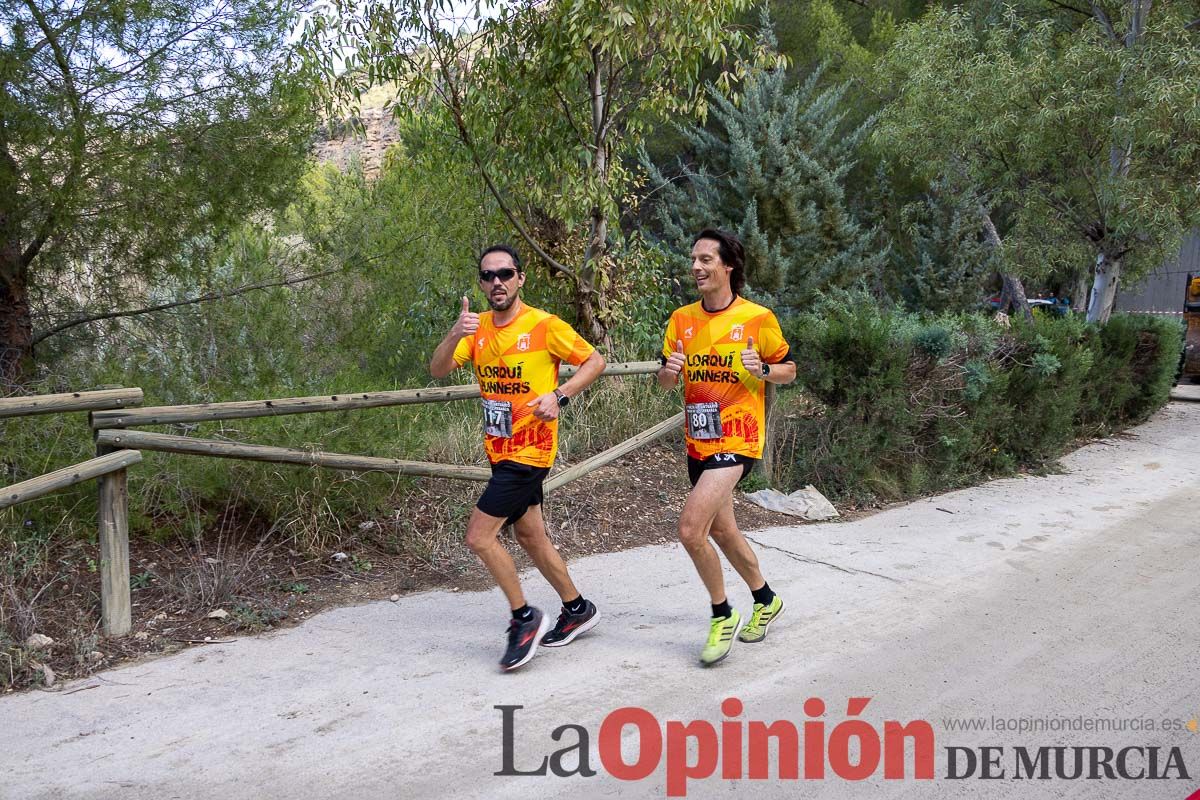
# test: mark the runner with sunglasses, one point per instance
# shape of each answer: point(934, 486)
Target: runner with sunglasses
point(516, 351)
point(725, 349)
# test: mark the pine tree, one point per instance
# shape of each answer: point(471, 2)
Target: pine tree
point(773, 169)
point(938, 260)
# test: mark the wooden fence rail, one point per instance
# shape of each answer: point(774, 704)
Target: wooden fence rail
point(249, 409)
point(613, 453)
point(216, 448)
point(67, 476)
point(69, 401)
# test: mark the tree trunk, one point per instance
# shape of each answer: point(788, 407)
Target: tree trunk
point(1013, 291)
point(592, 288)
point(1108, 269)
point(1013, 296)
point(1104, 288)
point(16, 327)
point(1080, 290)
point(16, 322)
point(592, 311)
point(591, 300)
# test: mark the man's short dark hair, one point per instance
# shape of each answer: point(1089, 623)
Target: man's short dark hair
point(503, 248)
point(732, 253)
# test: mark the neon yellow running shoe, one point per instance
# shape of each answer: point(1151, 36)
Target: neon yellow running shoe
point(720, 638)
point(756, 628)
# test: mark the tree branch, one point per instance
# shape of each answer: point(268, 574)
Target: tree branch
point(566, 108)
point(1069, 7)
point(454, 106)
point(62, 326)
point(1102, 17)
point(46, 230)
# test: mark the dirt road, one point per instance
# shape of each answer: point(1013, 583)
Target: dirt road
point(1041, 603)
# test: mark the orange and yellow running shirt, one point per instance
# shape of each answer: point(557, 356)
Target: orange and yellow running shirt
point(515, 364)
point(723, 403)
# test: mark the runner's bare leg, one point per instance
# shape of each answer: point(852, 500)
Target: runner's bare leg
point(483, 537)
point(733, 544)
point(711, 493)
point(530, 530)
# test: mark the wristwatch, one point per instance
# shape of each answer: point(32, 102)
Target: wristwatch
point(563, 400)
point(766, 369)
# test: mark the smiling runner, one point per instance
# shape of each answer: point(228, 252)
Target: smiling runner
point(726, 349)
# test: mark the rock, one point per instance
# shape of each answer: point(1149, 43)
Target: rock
point(141, 636)
point(369, 525)
point(395, 598)
point(339, 557)
point(48, 676)
point(219, 613)
point(96, 655)
point(38, 641)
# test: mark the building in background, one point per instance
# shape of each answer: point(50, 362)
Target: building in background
point(1162, 291)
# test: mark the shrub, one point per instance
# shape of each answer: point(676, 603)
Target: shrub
point(889, 405)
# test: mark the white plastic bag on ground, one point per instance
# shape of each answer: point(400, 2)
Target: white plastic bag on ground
point(806, 503)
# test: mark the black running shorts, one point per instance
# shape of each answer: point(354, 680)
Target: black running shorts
point(720, 461)
point(512, 489)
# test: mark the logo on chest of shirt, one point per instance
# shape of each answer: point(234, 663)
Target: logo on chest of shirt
point(687, 334)
point(479, 343)
point(523, 342)
point(736, 332)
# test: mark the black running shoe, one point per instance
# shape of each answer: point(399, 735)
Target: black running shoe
point(571, 625)
point(523, 637)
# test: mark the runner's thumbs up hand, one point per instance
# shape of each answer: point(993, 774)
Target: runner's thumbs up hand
point(467, 322)
point(751, 360)
point(675, 361)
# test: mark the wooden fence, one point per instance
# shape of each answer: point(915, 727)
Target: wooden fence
point(109, 468)
point(113, 415)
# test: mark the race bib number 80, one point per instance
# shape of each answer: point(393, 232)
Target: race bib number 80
point(497, 418)
point(703, 420)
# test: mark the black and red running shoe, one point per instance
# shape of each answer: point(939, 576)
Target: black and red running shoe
point(523, 638)
point(571, 625)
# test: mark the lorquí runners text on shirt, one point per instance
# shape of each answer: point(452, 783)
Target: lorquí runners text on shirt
point(515, 364)
point(723, 402)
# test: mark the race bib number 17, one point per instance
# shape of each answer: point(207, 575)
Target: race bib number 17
point(703, 420)
point(497, 418)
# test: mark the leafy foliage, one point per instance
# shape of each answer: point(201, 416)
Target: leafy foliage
point(938, 260)
point(134, 136)
point(904, 407)
point(1073, 131)
point(773, 171)
point(547, 101)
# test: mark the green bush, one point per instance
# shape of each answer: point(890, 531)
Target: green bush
point(889, 405)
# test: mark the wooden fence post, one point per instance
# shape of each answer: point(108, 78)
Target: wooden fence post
point(115, 609)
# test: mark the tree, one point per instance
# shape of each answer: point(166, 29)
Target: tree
point(131, 136)
point(773, 169)
point(1074, 132)
point(939, 259)
point(549, 99)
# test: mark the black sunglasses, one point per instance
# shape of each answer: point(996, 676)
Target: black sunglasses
point(489, 275)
